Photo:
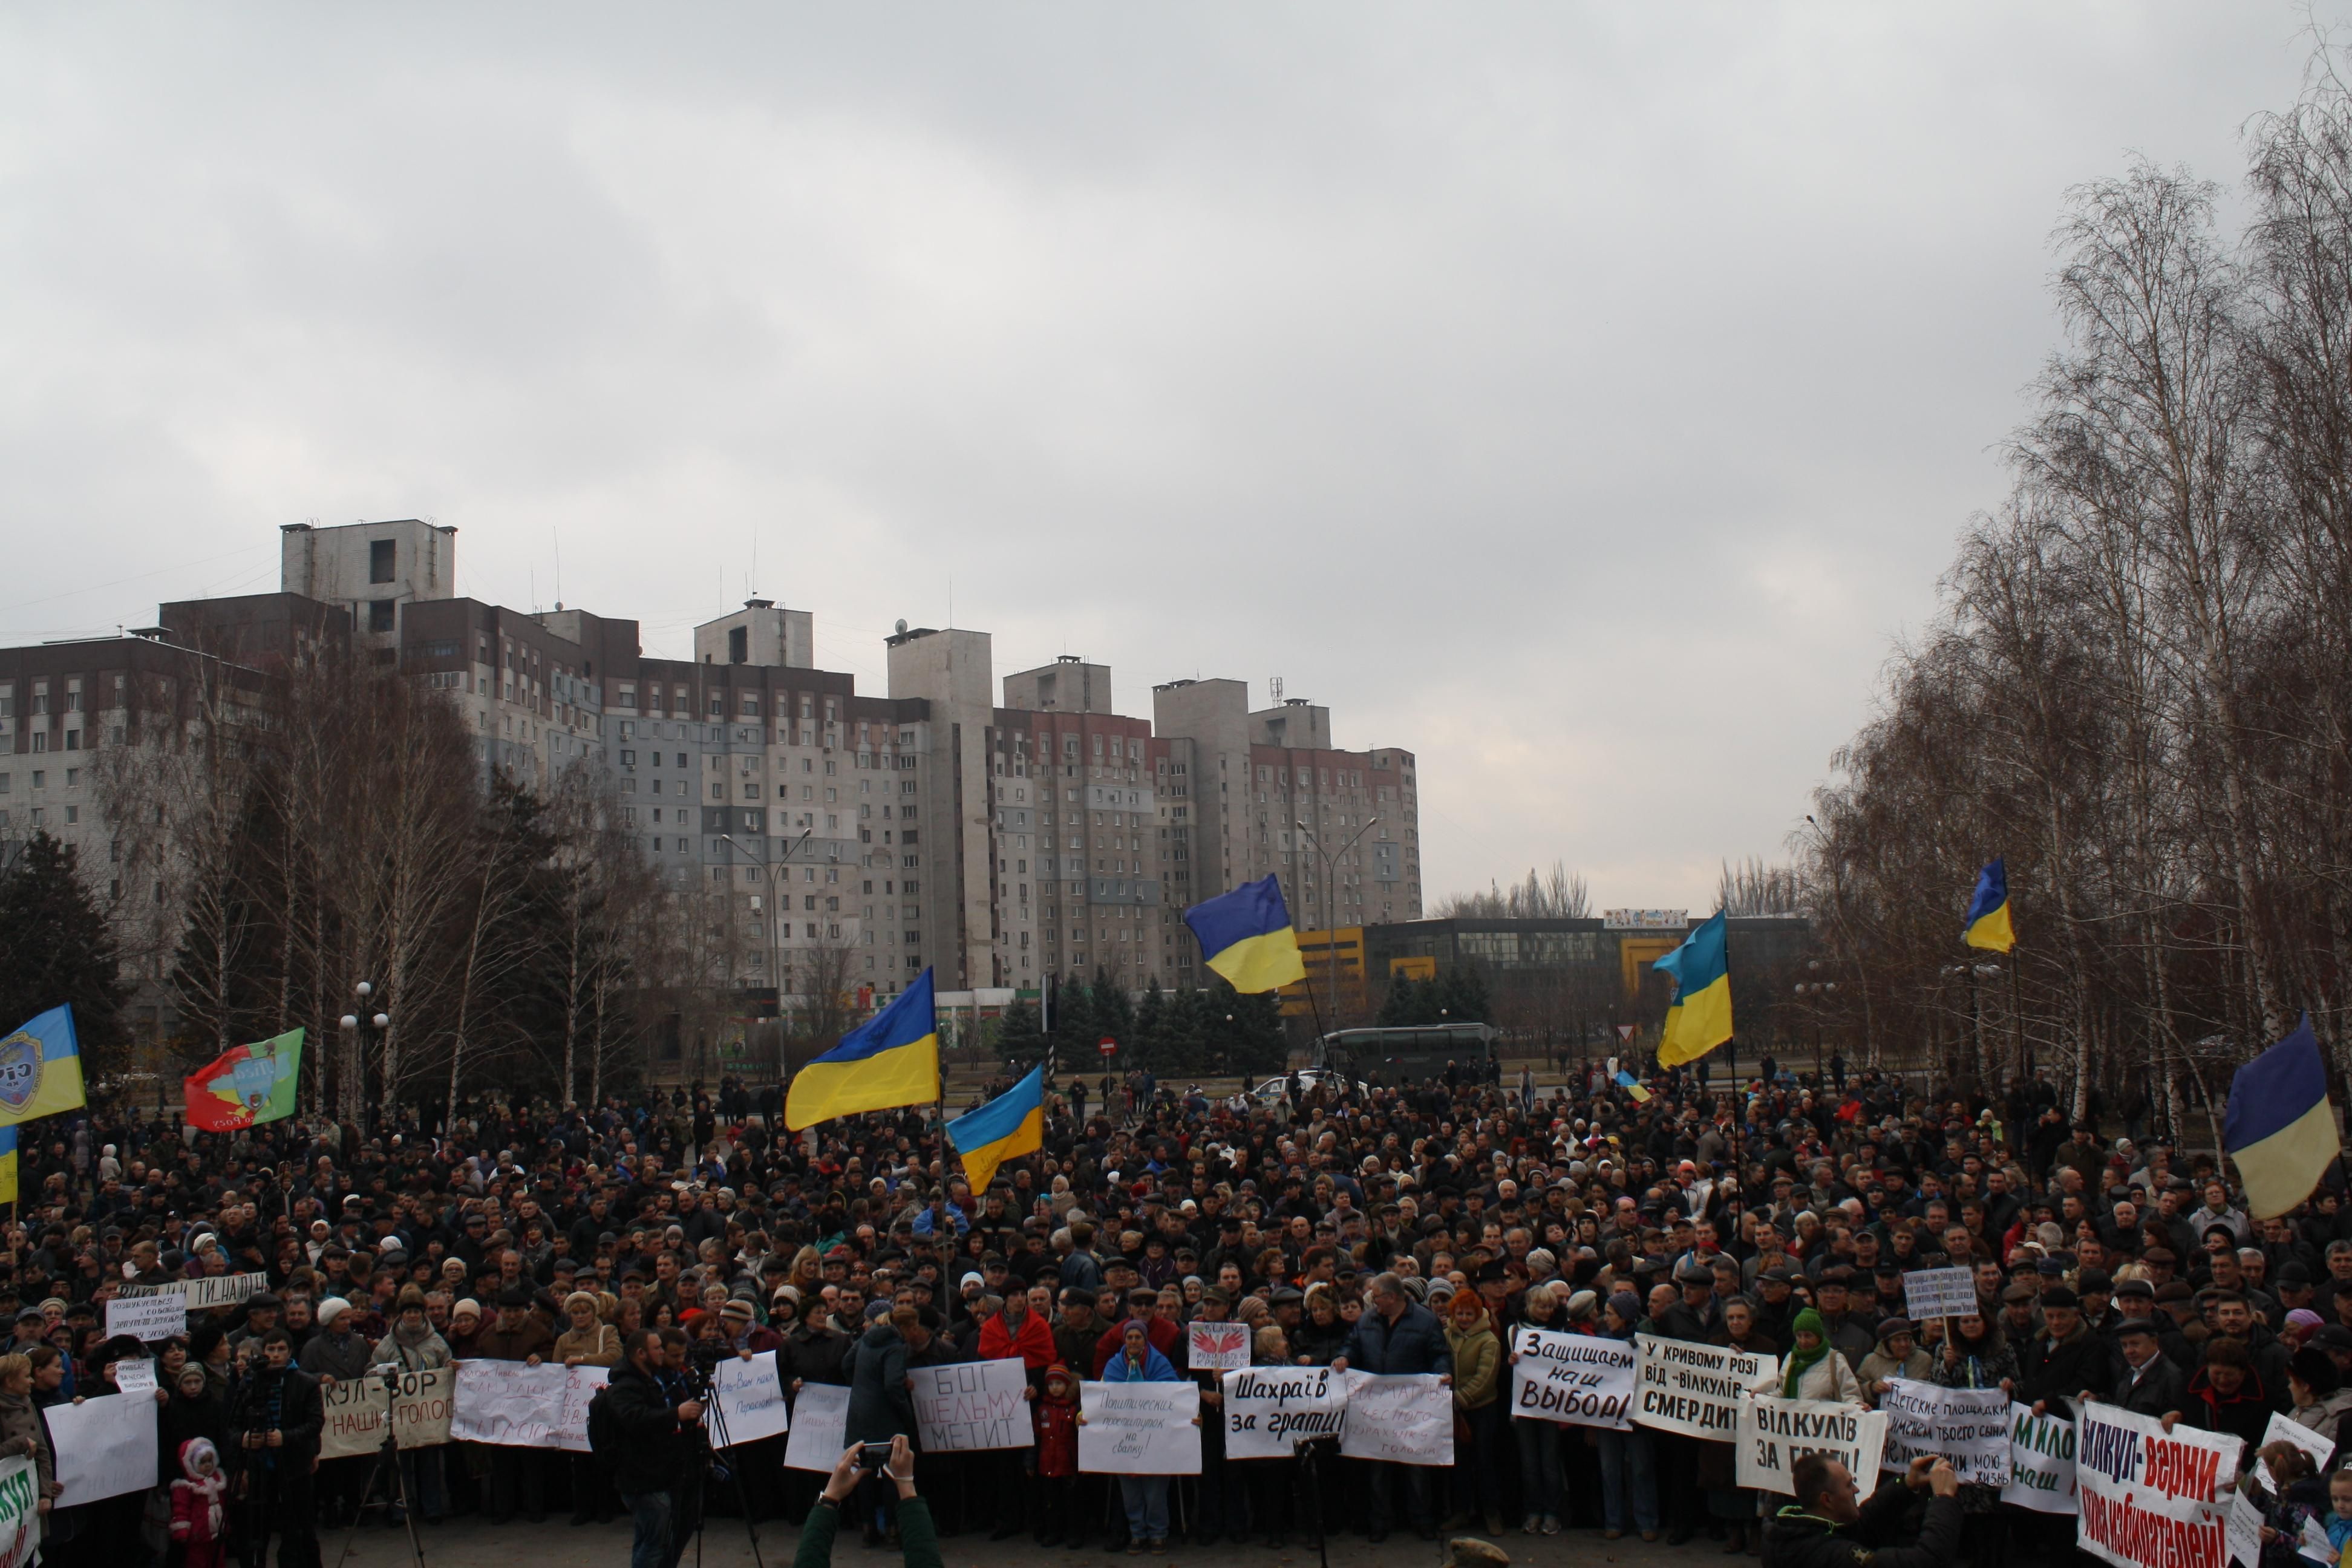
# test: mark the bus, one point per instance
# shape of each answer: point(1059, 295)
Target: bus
point(1386, 1057)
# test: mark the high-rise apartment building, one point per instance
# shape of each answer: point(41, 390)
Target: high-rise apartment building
point(998, 837)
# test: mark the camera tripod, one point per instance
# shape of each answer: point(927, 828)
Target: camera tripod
point(386, 1468)
point(715, 1441)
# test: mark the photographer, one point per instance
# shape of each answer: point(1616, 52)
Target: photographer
point(274, 1421)
point(651, 1445)
point(919, 1543)
point(1826, 1526)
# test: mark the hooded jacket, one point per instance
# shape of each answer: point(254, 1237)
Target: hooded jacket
point(196, 1500)
point(1055, 1415)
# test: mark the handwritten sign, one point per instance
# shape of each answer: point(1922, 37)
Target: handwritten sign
point(820, 1432)
point(147, 1318)
point(1970, 1426)
point(1939, 1293)
point(2041, 1462)
point(1140, 1428)
point(1270, 1410)
point(1218, 1347)
point(971, 1405)
point(1403, 1420)
point(1697, 1389)
point(105, 1446)
point(748, 1401)
point(135, 1375)
point(1579, 1379)
point(2281, 1429)
point(2141, 1487)
point(507, 1403)
point(1774, 1434)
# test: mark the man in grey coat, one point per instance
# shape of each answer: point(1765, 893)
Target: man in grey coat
point(1399, 1335)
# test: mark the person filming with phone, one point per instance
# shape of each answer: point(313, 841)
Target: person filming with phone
point(892, 1463)
point(649, 1442)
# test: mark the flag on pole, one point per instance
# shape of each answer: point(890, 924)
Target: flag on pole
point(1699, 1019)
point(1632, 1085)
point(1011, 1125)
point(1245, 936)
point(2279, 1126)
point(244, 1085)
point(891, 1059)
point(1987, 923)
point(40, 1068)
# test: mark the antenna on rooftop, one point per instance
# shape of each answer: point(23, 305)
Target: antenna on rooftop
point(1273, 691)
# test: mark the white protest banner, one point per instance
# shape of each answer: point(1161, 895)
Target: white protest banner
point(750, 1400)
point(820, 1427)
point(20, 1519)
point(1269, 1410)
point(147, 1318)
point(1697, 1389)
point(1970, 1426)
point(1404, 1420)
point(971, 1405)
point(543, 1406)
point(1581, 1379)
point(1218, 1347)
point(1774, 1434)
point(105, 1446)
point(2242, 1528)
point(2149, 1498)
point(1939, 1293)
point(2041, 1462)
point(223, 1290)
point(2281, 1429)
point(1140, 1428)
point(355, 1409)
point(134, 1376)
point(421, 1410)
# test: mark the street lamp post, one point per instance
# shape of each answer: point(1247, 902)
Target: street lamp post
point(362, 1025)
point(1330, 944)
point(773, 869)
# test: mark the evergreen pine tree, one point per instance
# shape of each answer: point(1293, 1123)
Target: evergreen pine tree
point(1019, 1041)
point(56, 948)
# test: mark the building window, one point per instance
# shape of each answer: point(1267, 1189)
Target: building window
point(380, 560)
point(380, 615)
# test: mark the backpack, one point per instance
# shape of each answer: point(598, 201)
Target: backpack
point(603, 1432)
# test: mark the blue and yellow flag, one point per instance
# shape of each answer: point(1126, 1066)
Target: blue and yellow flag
point(2279, 1127)
point(1245, 936)
point(8, 1164)
point(891, 1059)
point(40, 1068)
point(1011, 1125)
point(1699, 1019)
point(1632, 1085)
point(1987, 923)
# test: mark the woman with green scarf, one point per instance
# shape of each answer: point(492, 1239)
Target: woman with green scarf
point(1816, 1371)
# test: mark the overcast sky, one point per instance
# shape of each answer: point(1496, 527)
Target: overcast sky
point(1581, 396)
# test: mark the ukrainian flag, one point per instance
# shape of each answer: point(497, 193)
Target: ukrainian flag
point(40, 1068)
point(2279, 1127)
point(1700, 1016)
point(1011, 1125)
point(1988, 923)
point(1632, 1085)
point(8, 1164)
point(891, 1059)
point(1245, 936)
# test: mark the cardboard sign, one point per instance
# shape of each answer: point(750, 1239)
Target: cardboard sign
point(20, 1519)
point(1774, 1434)
point(507, 1403)
point(1403, 1420)
point(147, 1318)
point(1140, 1428)
point(971, 1405)
point(2041, 1462)
point(1939, 1293)
point(1580, 1379)
point(820, 1430)
point(1218, 1347)
point(1970, 1426)
point(1697, 1390)
point(2148, 1496)
point(1270, 1410)
point(749, 1400)
point(105, 1446)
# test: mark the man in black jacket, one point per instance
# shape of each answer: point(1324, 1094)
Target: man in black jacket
point(1827, 1528)
point(2146, 1382)
point(274, 1421)
point(649, 1441)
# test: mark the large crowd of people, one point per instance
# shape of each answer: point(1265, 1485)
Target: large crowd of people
point(1401, 1228)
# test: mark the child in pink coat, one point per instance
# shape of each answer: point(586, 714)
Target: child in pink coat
point(196, 1505)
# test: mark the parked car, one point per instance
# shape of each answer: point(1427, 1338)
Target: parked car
point(1273, 1089)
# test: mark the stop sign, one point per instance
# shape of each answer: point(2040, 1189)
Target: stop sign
point(1108, 1045)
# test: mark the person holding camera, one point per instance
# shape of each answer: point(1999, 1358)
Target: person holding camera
point(650, 1445)
point(276, 1420)
point(893, 1463)
point(1828, 1527)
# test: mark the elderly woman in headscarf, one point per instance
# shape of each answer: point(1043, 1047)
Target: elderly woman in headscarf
point(1146, 1495)
point(1814, 1369)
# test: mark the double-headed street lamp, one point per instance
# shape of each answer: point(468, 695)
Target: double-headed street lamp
point(1330, 944)
point(360, 1027)
point(774, 869)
